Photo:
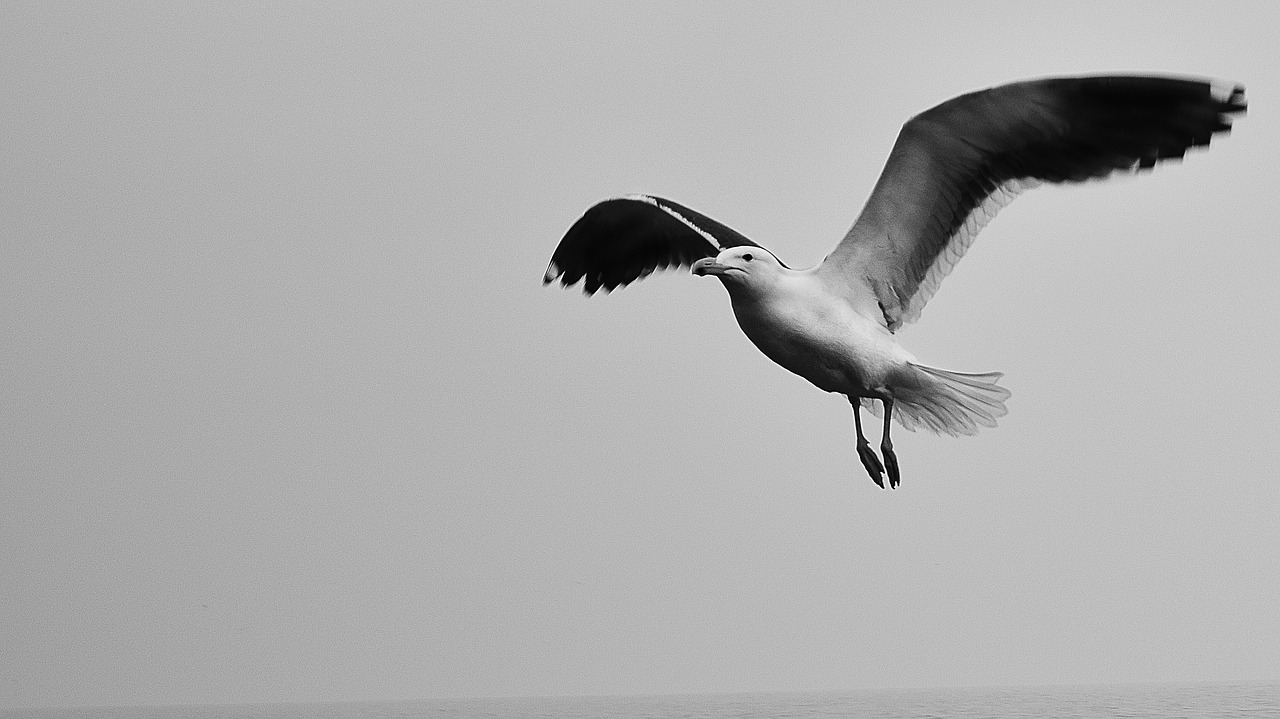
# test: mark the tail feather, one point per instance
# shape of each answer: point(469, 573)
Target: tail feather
point(946, 402)
point(982, 395)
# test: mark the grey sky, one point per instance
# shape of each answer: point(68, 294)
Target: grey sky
point(286, 414)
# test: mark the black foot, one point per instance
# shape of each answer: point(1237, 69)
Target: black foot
point(891, 465)
point(872, 463)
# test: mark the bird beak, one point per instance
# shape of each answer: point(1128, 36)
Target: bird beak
point(708, 266)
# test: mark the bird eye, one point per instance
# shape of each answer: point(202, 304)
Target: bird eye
point(747, 257)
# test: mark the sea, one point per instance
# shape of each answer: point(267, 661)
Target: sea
point(1161, 701)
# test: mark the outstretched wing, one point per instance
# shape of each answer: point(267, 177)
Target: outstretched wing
point(624, 239)
point(956, 165)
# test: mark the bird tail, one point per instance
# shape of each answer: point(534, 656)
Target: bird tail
point(944, 402)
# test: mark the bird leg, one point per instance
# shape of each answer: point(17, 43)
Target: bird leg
point(865, 453)
point(886, 446)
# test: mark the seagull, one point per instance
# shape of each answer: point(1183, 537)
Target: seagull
point(952, 168)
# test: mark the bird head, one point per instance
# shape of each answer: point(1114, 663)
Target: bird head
point(745, 265)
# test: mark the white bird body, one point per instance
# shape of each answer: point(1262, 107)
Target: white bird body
point(793, 318)
point(832, 340)
point(951, 170)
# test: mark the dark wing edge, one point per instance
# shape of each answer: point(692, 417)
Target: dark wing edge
point(956, 165)
point(624, 239)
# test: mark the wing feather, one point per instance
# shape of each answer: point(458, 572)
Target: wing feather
point(956, 165)
point(624, 239)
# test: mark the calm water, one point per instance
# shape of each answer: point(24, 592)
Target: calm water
point(1189, 701)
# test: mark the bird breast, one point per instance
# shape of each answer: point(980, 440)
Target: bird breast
point(819, 336)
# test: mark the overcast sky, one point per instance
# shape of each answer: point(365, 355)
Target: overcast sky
point(286, 414)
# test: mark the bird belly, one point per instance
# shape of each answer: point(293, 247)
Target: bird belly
point(827, 343)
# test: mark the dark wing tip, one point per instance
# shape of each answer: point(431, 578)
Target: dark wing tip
point(1228, 107)
point(1235, 102)
point(621, 240)
point(1129, 123)
point(553, 273)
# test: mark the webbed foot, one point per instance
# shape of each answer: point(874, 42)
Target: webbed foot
point(872, 463)
point(891, 465)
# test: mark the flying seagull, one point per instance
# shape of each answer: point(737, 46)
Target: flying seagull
point(951, 170)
